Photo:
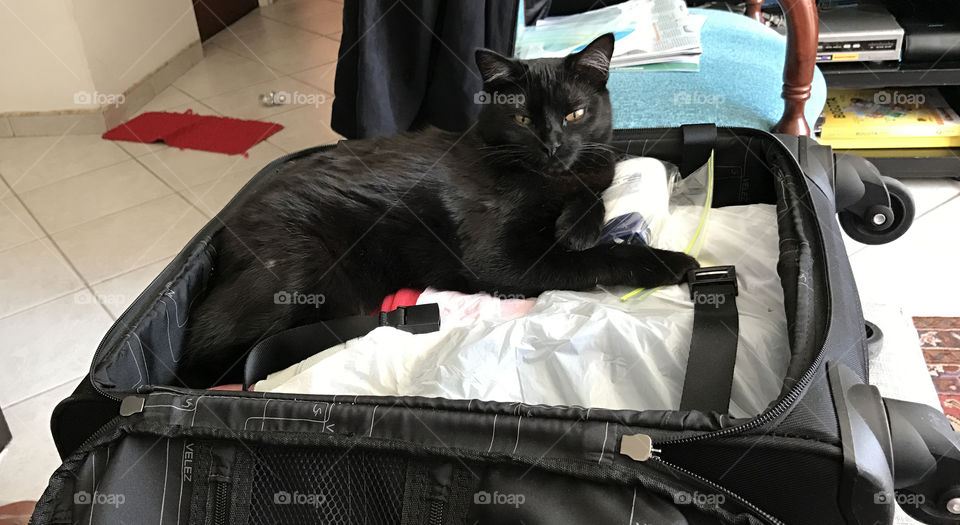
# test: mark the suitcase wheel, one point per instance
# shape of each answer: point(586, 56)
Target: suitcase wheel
point(880, 223)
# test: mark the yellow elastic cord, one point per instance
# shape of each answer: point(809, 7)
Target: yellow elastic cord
point(696, 234)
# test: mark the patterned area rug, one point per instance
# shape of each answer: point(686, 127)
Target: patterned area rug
point(940, 342)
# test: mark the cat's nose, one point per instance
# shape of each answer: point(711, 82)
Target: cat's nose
point(550, 148)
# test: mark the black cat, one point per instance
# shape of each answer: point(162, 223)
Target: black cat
point(512, 205)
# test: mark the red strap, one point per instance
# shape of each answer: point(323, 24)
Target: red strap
point(402, 297)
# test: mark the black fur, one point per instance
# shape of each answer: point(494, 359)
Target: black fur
point(507, 207)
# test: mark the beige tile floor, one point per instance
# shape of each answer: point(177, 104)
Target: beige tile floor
point(85, 223)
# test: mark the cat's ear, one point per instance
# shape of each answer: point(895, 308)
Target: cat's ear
point(494, 66)
point(593, 61)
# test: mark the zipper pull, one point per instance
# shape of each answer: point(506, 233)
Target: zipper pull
point(638, 447)
point(131, 405)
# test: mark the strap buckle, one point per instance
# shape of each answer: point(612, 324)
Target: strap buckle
point(715, 280)
point(417, 319)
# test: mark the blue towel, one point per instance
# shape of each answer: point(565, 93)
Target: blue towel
point(739, 82)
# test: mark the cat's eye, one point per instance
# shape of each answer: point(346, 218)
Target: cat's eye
point(522, 119)
point(576, 115)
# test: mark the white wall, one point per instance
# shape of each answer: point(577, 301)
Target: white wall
point(126, 40)
point(52, 49)
point(42, 61)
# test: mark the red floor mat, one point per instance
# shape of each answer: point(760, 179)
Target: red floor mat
point(191, 131)
point(940, 342)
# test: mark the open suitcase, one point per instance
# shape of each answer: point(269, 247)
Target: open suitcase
point(829, 450)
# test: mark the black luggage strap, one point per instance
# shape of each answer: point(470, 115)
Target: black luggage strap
point(289, 347)
point(699, 140)
point(713, 346)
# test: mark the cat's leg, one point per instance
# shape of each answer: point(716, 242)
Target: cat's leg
point(579, 225)
point(532, 272)
point(223, 325)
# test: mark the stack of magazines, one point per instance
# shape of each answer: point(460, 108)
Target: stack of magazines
point(889, 118)
point(659, 33)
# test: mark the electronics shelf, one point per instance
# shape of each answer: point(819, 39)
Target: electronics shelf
point(913, 163)
point(930, 59)
point(906, 163)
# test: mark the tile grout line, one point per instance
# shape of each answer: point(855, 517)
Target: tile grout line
point(261, 14)
point(50, 234)
point(10, 195)
point(74, 292)
point(301, 28)
point(864, 247)
point(186, 187)
point(178, 192)
point(45, 234)
point(272, 69)
point(204, 104)
point(193, 100)
point(86, 172)
point(158, 177)
point(88, 221)
point(288, 109)
point(38, 305)
point(66, 259)
point(924, 214)
point(334, 61)
point(40, 393)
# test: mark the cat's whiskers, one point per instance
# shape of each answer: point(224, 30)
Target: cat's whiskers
point(506, 154)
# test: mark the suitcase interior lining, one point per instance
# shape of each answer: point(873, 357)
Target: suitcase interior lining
point(144, 347)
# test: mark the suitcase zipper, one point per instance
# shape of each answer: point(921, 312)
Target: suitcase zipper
point(753, 508)
point(639, 447)
point(770, 415)
point(100, 432)
point(436, 512)
point(220, 504)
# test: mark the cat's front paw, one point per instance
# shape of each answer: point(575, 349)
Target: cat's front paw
point(667, 267)
point(680, 265)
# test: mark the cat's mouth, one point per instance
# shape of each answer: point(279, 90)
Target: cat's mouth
point(559, 165)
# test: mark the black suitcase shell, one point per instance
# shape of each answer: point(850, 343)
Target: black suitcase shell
point(138, 450)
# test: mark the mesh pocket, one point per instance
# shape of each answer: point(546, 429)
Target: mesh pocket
point(301, 485)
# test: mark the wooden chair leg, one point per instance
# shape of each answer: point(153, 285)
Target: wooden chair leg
point(753, 10)
point(798, 68)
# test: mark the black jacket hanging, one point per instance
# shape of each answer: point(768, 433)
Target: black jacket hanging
point(405, 65)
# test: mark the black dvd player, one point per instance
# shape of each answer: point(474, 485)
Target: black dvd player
point(931, 29)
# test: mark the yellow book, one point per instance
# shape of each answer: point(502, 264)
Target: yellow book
point(889, 118)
